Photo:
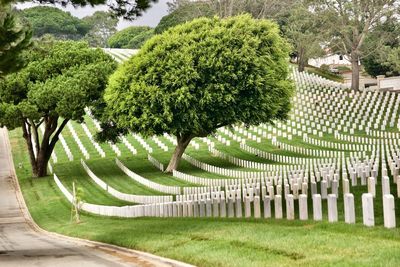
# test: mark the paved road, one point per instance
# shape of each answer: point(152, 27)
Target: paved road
point(22, 245)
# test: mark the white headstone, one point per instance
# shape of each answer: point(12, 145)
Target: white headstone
point(332, 208)
point(303, 208)
point(389, 211)
point(278, 207)
point(349, 212)
point(267, 207)
point(368, 209)
point(257, 208)
point(324, 190)
point(317, 207)
point(371, 186)
point(247, 207)
point(290, 207)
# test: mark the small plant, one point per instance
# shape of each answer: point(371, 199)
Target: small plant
point(77, 194)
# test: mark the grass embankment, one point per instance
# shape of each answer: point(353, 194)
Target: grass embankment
point(215, 242)
point(325, 74)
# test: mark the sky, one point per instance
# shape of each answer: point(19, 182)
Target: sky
point(150, 18)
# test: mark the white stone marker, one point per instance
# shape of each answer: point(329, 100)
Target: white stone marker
point(190, 208)
point(290, 207)
point(385, 185)
point(180, 208)
point(349, 212)
point(332, 208)
point(313, 188)
point(371, 186)
point(257, 208)
point(208, 207)
point(267, 207)
point(175, 210)
point(335, 188)
point(303, 208)
point(222, 207)
point(216, 207)
point(278, 207)
point(324, 189)
point(184, 209)
point(304, 188)
point(239, 213)
point(346, 186)
point(231, 212)
point(389, 211)
point(247, 207)
point(202, 208)
point(368, 209)
point(317, 207)
point(196, 208)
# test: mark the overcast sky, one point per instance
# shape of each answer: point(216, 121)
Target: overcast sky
point(150, 18)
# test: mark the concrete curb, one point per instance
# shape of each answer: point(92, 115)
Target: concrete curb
point(108, 248)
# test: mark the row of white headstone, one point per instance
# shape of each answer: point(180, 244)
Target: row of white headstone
point(78, 141)
point(155, 186)
point(219, 206)
point(124, 196)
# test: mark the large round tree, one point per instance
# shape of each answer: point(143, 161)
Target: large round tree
point(202, 75)
point(60, 80)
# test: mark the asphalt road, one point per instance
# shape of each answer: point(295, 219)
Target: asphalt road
point(23, 245)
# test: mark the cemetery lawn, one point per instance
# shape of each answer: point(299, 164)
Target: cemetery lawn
point(212, 242)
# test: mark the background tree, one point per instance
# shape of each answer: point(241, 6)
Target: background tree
point(128, 9)
point(132, 37)
point(257, 8)
point(183, 11)
point(386, 38)
point(348, 23)
point(14, 38)
point(102, 26)
point(54, 21)
point(55, 87)
point(202, 75)
point(301, 29)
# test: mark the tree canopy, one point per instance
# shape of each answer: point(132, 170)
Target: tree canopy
point(202, 75)
point(128, 9)
point(300, 27)
point(347, 25)
point(182, 12)
point(132, 37)
point(102, 25)
point(14, 38)
point(54, 21)
point(55, 87)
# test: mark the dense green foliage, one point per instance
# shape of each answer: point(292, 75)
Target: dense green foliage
point(184, 12)
point(386, 37)
point(132, 37)
point(57, 84)
point(54, 21)
point(14, 38)
point(203, 75)
point(300, 28)
point(102, 26)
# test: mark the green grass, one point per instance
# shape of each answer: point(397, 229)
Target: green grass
point(208, 242)
point(325, 74)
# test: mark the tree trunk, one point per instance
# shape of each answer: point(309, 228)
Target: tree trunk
point(355, 73)
point(183, 142)
point(302, 61)
point(40, 161)
point(41, 164)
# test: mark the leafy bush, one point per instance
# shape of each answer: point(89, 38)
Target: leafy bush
point(131, 37)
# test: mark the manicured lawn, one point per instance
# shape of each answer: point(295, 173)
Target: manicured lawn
point(213, 242)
